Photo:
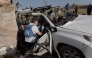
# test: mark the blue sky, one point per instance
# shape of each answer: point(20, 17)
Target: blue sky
point(61, 3)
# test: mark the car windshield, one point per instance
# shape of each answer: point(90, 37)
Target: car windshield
point(68, 16)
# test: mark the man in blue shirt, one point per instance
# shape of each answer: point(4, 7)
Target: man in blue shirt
point(67, 6)
point(31, 31)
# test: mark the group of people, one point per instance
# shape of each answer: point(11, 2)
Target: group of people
point(67, 7)
point(89, 8)
point(54, 14)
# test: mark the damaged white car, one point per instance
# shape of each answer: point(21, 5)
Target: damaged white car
point(71, 35)
point(72, 38)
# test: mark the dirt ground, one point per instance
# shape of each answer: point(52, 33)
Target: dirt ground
point(54, 55)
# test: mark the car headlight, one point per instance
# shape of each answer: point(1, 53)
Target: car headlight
point(88, 38)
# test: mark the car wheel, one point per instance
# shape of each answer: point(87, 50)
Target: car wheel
point(70, 52)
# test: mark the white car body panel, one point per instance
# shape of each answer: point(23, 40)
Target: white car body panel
point(87, 51)
point(70, 37)
point(82, 23)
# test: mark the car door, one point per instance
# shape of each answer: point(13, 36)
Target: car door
point(44, 46)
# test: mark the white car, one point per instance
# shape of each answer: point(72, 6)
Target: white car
point(72, 38)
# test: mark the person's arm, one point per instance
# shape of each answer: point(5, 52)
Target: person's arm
point(39, 33)
point(35, 28)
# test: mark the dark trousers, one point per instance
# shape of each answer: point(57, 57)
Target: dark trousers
point(88, 12)
point(76, 11)
point(29, 45)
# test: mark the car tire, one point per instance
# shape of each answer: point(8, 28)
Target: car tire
point(70, 52)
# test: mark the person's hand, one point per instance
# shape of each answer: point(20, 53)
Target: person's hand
point(39, 33)
point(41, 28)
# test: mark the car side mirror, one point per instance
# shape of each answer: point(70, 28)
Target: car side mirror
point(53, 29)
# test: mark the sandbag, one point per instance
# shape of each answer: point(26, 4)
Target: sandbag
point(8, 25)
point(5, 2)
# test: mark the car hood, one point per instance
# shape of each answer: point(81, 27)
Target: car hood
point(82, 23)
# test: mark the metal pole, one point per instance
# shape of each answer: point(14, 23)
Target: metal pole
point(45, 3)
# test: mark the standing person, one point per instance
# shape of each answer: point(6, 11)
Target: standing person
point(67, 7)
point(57, 14)
point(51, 16)
point(17, 5)
point(31, 8)
point(76, 9)
point(89, 8)
point(31, 31)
